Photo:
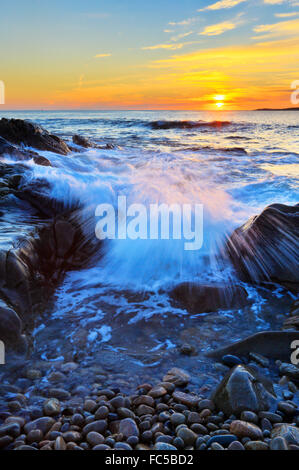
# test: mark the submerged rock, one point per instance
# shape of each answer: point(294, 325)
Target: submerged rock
point(187, 349)
point(177, 376)
point(266, 248)
point(82, 141)
point(197, 298)
point(242, 389)
point(86, 143)
point(29, 134)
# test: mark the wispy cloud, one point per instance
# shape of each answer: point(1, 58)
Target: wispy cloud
point(282, 29)
point(222, 4)
point(101, 56)
point(223, 58)
point(219, 28)
point(181, 36)
point(287, 15)
point(183, 22)
point(173, 47)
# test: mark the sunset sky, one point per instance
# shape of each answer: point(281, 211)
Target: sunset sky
point(162, 54)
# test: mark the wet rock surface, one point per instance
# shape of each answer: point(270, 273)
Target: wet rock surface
point(243, 389)
point(6, 149)
point(28, 134)
point(10, 325)
point(197, 298)
point(267, 246)
point(85, 143)
point(30, 273)
point(272, 344)
point(31, 267)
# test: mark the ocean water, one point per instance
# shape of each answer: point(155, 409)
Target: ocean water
point(116, 315)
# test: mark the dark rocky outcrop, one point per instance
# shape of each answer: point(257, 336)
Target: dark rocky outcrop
point(14, 282)
point(272, 344)
point(31, 267)
point(197, 298)
point(31, 271)
point(37, 194)
point(62, 246)
point(7, 149)
point(10, 177)
point(242, 389)
point(266, 248)
point(28, 134)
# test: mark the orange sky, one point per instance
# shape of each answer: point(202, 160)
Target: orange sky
point(220, 49)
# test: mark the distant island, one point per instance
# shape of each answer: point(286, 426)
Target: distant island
point(277, 109)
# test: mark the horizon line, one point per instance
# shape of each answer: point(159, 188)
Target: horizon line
point(144, 110)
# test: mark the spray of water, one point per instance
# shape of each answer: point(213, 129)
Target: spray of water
point(97, 177)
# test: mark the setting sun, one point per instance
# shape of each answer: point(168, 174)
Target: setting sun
point(219, 98)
